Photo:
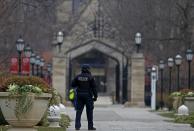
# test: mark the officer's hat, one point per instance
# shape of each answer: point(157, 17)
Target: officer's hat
point(85, 67)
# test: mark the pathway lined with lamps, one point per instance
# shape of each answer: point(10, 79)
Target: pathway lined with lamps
point(36, 62)
point(170, 63)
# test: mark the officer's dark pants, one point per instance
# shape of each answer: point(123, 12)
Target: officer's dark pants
point(81, 101)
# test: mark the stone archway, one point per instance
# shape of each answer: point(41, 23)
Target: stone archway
point(107, 50)
point(133, 91)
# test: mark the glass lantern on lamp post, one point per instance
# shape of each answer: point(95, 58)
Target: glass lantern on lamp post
point(60, 37)
point(20, 47)
point(178, 61)
point(170, 65)
point(189, 56)
point(138, 40)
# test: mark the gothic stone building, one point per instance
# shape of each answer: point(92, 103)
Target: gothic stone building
point(92, 40)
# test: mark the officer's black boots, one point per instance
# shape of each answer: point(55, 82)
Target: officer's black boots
point(93, 128)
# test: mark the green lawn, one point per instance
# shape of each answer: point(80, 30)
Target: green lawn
point(168, 114)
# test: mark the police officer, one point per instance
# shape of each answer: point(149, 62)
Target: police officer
point(86, 95)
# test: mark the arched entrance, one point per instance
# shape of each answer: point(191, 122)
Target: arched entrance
point(103, 68)
point(108, 66)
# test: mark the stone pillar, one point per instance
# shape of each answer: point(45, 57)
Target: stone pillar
point(137, 80)
point(59, 75)
point(111, 77)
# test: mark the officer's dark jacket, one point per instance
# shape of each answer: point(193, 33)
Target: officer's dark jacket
point(85, 83)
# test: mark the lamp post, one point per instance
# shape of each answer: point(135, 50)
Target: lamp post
point(170, 65)
point(189, 56)
point(32, 62)
point(138, 40)
point(41, 67)
point(153, 88)
point(161, 66)
point(37, 65)
point(20, 47)
point(178, 61)
point(60, 38)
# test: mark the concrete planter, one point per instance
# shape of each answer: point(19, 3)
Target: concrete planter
point(29, 119)
point(189, 102)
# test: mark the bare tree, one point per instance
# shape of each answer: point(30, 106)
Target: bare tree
point(34, 20)
point(166, 25)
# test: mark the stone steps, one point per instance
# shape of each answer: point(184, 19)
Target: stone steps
point(103, 101)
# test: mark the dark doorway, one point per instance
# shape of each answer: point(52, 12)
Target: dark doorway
point(99, 63)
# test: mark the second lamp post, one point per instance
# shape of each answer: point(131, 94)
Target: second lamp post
point(170, 65)
point(138, 40)
point(161, 66)
point(189, 55)
point(60, 37)
point(20, 47)
point(178, 61)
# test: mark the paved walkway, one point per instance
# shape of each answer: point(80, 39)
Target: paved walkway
point(118, 118)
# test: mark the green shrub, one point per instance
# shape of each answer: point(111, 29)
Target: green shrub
point(185, 119)
point(64, 121)
point(22, 86)
point(56, 98)
point(25, 80)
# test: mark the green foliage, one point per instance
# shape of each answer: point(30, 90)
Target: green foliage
point(56, 98)
point(40, 128)
point(3, 128)
point(25, 80)
point(64, 121)
point(168, 114)
point(179, 97)
point(24, 97)
point(23, 90)
point(23, 105)
point(183, 93)
point(185, 119)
